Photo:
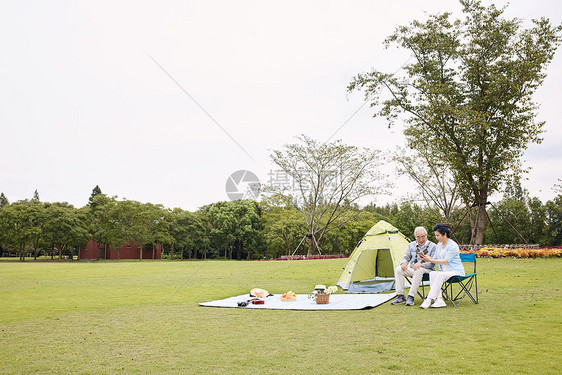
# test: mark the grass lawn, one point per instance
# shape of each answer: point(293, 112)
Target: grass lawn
point(136, 317)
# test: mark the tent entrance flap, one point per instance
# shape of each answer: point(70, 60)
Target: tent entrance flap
point(385, 265)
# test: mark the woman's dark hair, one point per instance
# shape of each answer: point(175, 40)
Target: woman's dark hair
point(443, 229)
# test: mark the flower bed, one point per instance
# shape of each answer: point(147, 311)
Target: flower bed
point(496, 252)
point(302, 257)
point(483, 252)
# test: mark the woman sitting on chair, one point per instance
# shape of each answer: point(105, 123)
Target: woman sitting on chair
point(449, 261)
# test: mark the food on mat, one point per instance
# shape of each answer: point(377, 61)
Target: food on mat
point(289, 297)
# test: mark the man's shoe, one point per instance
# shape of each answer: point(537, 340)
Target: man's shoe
point(410, 301)
point(439, 303)
point(426, 303)
point(399, 300)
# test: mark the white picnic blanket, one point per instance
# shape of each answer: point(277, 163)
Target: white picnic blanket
point(337, 302)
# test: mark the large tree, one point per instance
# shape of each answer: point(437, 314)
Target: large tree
point(20, 226)
point(123, 216)
point(101, 225)
point(328, 179)
point(187, 232)
point(63, 228)
point(234, 226)
point(467, 95)
point(283, 226)
point(554, 220)
point(149, 227)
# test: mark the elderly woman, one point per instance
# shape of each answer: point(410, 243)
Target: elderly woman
point(449, 261)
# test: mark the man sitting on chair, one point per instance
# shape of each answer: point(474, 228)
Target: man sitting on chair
point(417, 266)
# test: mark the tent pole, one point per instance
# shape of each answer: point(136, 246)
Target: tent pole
point(507, 221)
point(492, 225)
point(299, 245)
point(461, 220)
point(317, 246)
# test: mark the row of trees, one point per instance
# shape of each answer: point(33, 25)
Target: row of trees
point(514, 220)
point(244, 229)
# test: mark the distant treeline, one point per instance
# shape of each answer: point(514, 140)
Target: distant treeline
point(242, 229)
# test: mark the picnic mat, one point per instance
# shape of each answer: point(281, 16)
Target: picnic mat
point(337, 302)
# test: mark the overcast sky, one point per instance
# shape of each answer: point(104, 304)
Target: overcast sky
point(87, 92)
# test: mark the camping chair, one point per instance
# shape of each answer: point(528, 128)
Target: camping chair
point(465, 283)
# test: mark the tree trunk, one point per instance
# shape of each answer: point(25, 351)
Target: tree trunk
point(140, 252)
point(310, 247)
point(153, 252)
point(35, 247)
point(480, 224)
point(181, 258)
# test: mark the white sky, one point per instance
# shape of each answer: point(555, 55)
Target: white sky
point(83, 104)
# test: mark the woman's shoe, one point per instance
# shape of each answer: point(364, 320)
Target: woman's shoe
point(426, 303)
point(439, 303)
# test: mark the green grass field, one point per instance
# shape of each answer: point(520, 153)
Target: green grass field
point(134, 317)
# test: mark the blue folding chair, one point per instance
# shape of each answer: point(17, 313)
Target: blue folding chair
point(468, 284)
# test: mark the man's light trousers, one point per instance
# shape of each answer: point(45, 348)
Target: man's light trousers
point(416, 279)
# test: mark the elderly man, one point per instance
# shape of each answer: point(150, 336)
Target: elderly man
point(413, 266)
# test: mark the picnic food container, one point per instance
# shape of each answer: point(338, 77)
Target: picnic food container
point(322, 299)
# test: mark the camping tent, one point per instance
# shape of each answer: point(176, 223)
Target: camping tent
point(373, 261)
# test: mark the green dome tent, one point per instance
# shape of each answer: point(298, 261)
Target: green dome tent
point(374, 259)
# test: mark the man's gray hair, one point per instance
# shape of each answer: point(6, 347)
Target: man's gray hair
point(418, 229)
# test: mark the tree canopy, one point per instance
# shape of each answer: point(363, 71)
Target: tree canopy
point(243, 229)
point(467, 96)
point(328, 179)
